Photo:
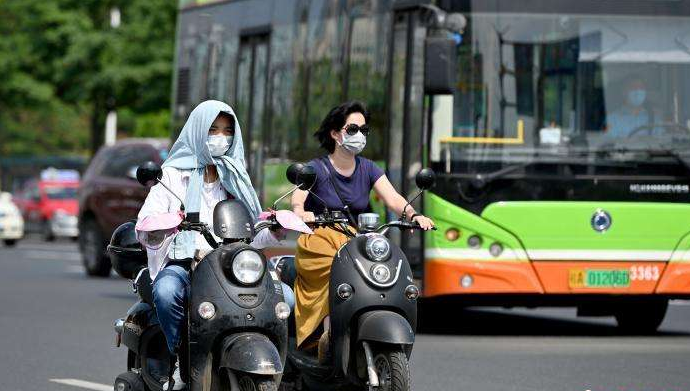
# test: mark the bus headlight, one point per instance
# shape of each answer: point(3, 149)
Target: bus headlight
point(378, 248)
point(248, 267)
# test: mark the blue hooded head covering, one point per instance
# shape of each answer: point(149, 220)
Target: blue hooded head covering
point(190, 152)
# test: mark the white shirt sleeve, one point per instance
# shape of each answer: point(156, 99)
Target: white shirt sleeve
point(159, 199)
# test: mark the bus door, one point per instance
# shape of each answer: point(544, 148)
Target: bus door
point(252, 97)
point(406, 120)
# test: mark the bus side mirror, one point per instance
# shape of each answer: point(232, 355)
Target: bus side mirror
point(440, 65)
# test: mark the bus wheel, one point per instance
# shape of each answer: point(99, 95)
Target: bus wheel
point(641, 316)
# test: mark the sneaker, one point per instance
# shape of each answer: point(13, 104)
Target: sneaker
point(178, 384)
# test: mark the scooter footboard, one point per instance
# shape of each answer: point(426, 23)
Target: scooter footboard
point(386, 327)
point(251, 353)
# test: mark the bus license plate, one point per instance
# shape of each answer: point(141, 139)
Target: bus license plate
point(598, 278)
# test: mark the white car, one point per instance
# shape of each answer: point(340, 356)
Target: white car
point(11, 221)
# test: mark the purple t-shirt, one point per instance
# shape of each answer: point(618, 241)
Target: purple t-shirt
point(354, 189)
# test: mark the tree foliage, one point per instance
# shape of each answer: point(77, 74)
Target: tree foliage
point(64, 67)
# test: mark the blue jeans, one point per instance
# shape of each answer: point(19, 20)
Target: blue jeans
point(170, 293)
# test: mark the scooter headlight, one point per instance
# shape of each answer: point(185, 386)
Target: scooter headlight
point(381, 273)
point(248, 267)
point(378, 248)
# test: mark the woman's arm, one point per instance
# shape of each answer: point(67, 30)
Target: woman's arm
point(396, 202)
point(297, 202)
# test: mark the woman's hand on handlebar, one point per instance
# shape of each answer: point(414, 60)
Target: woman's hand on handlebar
point(307, 217)
point(424, 222)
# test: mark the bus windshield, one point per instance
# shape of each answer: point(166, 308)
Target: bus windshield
point(555, 87)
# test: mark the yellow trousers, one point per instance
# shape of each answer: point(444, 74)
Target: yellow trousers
point(313, 262)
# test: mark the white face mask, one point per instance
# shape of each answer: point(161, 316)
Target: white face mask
point(354, 144)
point(218, 144)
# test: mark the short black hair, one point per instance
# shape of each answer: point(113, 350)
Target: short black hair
point(335, 119)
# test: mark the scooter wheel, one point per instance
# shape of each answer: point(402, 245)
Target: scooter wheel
point(393, 370)
point(129, 381)
point(257, 383)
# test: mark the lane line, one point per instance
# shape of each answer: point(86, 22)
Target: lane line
point(83, 384)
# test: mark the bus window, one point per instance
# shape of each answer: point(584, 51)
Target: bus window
point(252, 71)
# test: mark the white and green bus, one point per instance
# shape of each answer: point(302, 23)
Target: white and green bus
point(559, 131)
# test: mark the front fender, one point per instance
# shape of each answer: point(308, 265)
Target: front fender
point(252, 353)
point(386, 327)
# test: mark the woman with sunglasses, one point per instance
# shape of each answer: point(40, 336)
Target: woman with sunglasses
point(344, 182)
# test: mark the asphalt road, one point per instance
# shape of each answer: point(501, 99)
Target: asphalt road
point(57, 324)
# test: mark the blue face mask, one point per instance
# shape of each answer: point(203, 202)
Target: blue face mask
point(636, 97)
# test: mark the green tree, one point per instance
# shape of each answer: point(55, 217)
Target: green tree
point(64, 67)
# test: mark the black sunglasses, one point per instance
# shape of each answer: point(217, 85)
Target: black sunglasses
point(352, 129)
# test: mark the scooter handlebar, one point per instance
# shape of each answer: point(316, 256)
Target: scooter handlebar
point(201, 228)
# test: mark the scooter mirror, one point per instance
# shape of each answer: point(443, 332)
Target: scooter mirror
point(306, 178)
point(148, 173)
point(293, 171)
point(425, 179)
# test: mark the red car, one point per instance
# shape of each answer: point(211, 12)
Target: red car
point(50, 205)
point(110, 195)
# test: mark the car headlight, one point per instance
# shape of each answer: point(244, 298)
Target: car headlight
point(378, 248)
point(248, 267)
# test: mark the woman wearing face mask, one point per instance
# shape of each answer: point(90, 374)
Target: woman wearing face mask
point(343, 179)
point(205, 166)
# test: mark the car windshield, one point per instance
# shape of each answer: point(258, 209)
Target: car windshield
point(536, 88)
point(61, 193)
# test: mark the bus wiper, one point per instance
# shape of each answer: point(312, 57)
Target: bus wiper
point(681, 158)
point(480, 180)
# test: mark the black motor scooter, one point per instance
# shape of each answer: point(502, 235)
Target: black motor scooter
point(236, 334)
point(372, 301)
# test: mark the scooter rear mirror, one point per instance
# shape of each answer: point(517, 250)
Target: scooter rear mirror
point(426, 179)
point(149, 173)
point(306, 178)
point(293, 171)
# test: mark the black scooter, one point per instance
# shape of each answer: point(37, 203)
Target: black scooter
point(236, 334)
point(373, 305)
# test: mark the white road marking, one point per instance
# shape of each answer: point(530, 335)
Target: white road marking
point(680, 302)
point(84, 384)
